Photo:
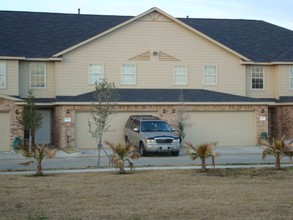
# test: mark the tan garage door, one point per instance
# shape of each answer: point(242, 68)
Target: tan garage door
point(4, 132)
point(228, 128)
point(114, 134)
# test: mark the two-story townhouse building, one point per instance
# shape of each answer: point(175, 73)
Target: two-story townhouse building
point(233, 79)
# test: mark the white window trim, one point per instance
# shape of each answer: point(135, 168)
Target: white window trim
point(264, 84)
point(290, 78)
point(45, 76)
point(4, 86)
point(186, 75)
point(121, 74)
point(103, 73)
point(203, 74)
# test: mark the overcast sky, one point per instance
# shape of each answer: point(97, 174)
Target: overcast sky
point(279, 12)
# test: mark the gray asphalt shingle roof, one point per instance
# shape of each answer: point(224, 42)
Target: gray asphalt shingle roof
point(41, 35)
point(166, 95)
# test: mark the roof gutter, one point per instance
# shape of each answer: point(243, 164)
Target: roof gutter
point(45, 59)
point(162, 103)
point(11, 58)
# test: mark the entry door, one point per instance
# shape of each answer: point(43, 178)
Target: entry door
point(43, 134)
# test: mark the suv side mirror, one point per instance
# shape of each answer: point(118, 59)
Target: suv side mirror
point(173, 129)
point(136, 130)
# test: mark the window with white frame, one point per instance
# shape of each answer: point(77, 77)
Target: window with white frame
point(180, 75)
point(210, 75)
point(128, 74)
point(38, 75)
point(291, 77)
point(257, 77)
point(96, 73)
point(2, 74)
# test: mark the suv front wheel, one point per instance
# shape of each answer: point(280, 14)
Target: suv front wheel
point(175, 153)
point(141, 149)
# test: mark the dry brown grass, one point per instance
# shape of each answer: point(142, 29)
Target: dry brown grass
point(171, 194)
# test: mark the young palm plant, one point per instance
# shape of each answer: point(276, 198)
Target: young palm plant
point(121, 154)
point(277, 148)
point(38, 153)
point(203, 152)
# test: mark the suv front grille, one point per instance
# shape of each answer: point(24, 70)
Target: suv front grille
point(164, 140)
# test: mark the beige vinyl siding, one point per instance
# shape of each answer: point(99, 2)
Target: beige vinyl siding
point(24, 81)
point(284, 80)
point(270, 85)
point(11, 88)
point(164, 36)
point(4, 131)
point(227, 128)
point(114, 133)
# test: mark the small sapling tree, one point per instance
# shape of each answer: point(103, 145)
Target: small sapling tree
point(202, 151)
point(123, 153)
point(30, 119)
point(182, 119)
point(277, 148)
point(38, 153)
point(105, 96)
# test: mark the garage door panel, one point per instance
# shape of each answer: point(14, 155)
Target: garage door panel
point(227, 128)
point(4, 132)
point(114, 133)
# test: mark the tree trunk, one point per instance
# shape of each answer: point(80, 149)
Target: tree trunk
point(99, 154)
point(122, 170)
point(99, 147)
point(39, 168)
point(278, 163)
point(203, 165)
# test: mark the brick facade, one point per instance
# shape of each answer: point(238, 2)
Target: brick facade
point(281, 123)
point(278, 119)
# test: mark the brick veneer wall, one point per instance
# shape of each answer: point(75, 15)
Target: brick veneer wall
point(279, 119)
point(282, 121)
point(64, 132)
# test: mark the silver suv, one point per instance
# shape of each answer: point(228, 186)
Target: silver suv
point(151, 134)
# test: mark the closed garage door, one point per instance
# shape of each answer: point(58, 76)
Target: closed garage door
point(227, 128)
point(114, 133)
point(4, 132)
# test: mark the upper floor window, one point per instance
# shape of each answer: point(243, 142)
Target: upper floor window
point(180, 75)
point(2, 74)
point(291, 77)
point(128, 74)
point(38, 75)
point(257, 77)
point(96, 73)
point(210, 75)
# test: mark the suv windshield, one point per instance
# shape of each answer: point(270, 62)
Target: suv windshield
point(154, 126)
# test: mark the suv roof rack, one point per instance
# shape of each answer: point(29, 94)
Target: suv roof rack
point(145, 117)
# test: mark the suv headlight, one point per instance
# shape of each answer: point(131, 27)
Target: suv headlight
point(176, 140)
point(150, 141)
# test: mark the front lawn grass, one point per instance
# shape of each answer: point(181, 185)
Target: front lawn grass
point(262, 193)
